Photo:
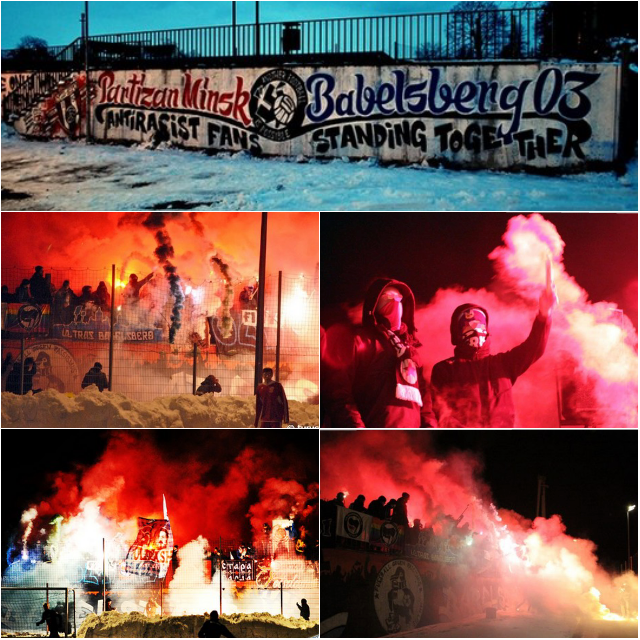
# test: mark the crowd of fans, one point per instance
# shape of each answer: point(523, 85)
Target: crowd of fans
point(40, 290)
point(395, 510)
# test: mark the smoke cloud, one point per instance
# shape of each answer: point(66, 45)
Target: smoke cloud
point(539, 562)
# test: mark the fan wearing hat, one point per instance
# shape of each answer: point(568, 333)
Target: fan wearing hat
point(473, 389)
point(372, 378)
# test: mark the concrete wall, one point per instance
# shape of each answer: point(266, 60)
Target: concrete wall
point(543, 116)
point(375, 594)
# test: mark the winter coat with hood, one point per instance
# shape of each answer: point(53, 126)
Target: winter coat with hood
point(359, 370)
point(477, 391)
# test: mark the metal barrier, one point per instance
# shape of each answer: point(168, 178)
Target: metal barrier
point(467, 35)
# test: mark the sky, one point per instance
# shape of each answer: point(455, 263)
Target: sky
point(439, 250)
point(591, 475)
point(59, 22)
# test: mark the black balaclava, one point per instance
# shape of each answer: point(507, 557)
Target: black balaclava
point(470, 332)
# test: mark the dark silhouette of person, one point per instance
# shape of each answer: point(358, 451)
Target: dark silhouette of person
point(474, 388)
point(96, 376)
point(213, 628)
point(86, 296)
point(102, 297)
point(389, 509)
point(209, 385)
point(376, 507)
point(22, 292)
point(272, 407)
point(7, 296)
point(40, 291)
point(175, 562)
point(52, 620)
point(400, 512)
point(338, 500)
point(132, 290)
point(63, 301)
point(305, 612)
point(109, 606)
point(358, 504)
point(372, 376)
point(13, 381)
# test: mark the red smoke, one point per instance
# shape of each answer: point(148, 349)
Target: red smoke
point(537, 560)
point(209, 490)
point(91, 241)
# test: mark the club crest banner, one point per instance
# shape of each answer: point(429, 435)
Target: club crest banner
point(150, 554)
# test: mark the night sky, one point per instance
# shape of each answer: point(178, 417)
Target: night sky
point(591, 476)
point(429, 251)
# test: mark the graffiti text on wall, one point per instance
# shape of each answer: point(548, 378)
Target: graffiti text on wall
point(397, 113)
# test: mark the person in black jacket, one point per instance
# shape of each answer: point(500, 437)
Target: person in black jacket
point(305, 612)
point(40, 291)
point(372, 375)
point(52, 620)
point(13, 381)
point(473, 389)
point(213, 628)
point(96, 376)
point(209, 385)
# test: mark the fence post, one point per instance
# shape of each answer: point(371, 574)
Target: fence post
point(195, 366)
point(281, 598)
point(22, 365)
point(104, 576)
point(261, 287)
point(113, 321)
point(279, 324)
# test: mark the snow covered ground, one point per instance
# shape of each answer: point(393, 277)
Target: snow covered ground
point(525, 626)
point(66, 176)
point(92, 409)
point(136, 625)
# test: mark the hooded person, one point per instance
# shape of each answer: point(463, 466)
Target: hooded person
point(210, 384)
point(372, 378)
point(96, 376)
point(474, 388)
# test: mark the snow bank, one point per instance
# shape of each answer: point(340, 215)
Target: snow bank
point(71, 176)
point(92, 409)
point(137, 625)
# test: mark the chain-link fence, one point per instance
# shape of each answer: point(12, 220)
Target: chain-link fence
point(167, 334)
point(272, 578)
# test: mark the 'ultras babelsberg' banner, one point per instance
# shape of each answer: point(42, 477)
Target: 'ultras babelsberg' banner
point(150, 554)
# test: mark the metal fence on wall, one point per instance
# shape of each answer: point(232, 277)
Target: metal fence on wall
point(166, 340)
point(488, 34)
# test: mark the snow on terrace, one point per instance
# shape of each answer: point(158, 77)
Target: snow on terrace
point(66, 176)
point(92, 409)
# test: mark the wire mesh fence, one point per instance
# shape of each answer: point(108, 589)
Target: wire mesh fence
point(23, 611)
point(273, 579)
point(162, 335)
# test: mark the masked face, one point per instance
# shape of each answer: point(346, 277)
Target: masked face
point(472, 328)
point(389, 308)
